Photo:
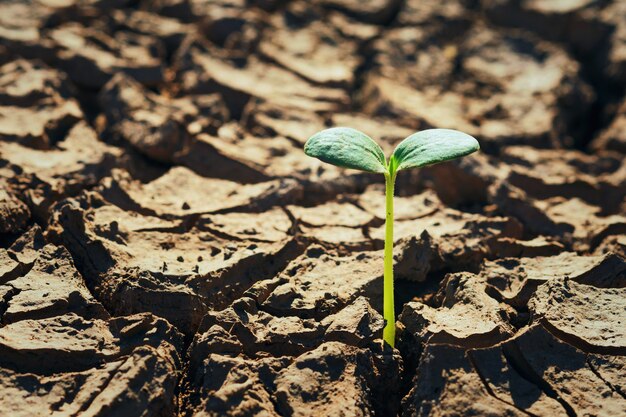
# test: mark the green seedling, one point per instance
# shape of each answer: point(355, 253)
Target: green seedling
point(349, 148)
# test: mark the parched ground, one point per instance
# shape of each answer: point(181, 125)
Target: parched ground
point(167, 249)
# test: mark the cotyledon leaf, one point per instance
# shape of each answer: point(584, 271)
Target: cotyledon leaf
point(348, 148)
point(432, 146)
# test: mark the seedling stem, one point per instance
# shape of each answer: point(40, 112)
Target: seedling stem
point(389, 332)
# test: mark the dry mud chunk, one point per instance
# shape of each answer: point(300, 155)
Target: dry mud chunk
point(574, 22)
point(69, 343)
point(353, 29)
point(594, 29)
point(47, 175)
point(587, 226)
point(50, 288)
point(502, 89)
point(138, 263)
point(215, 157)
point(181, 192)
point(234, 24)
point(371, 11)
point(309, 384)
point(237, 30)
point(467, 317)
point(333, 379)
point(234, 386)
point(170, 31)
point(14, 214)
point(514, 202)
point(9, 269)
point(318, 283)
point(465, 181)
point(433, 12)
point(215, 339)
point(141, 119)
point(37, 128)
point(336, 223)
point(24, 83)
point(340, 238)
point(545, 174)
point(200, 71)
point(415, 257)
point(91, 57)
point(312, 49)
point(508, 248)
point(258, 331)
point(79, 160)
point(20, 22)
point(358, 324)
point(141, 384)
point(583, 315)
point(36, 108)
point(447, 384)
point(161, 129)
point(564, 371)
point(20, 25)
point(270, 226)
point(532, 372)
point(576, 223)
point(614, 244)
point(26, 248)
point(71, 365)
point(266, 119)
point(203, 113)
point(516, 279)
point(126, 101)
point(17, 261)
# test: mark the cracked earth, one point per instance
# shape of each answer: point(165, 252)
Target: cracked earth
point(168, 249)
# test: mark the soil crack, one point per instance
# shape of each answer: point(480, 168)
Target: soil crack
point(472, 361)
point(615, 389)
point(518, 362)
point(6, 301)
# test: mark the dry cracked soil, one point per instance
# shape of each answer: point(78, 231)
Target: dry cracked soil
point(168, 249)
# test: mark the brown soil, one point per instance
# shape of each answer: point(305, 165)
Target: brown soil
point(167, 249)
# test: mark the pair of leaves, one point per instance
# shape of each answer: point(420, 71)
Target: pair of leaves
point(349, 148)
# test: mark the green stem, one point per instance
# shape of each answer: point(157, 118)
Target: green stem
point(389, 333)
